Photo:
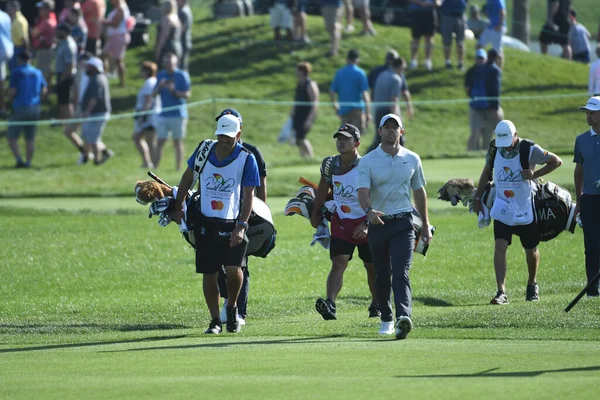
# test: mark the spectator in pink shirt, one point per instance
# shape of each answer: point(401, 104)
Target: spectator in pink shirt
point(117, 37)
point(42, 38)
point(93, 14)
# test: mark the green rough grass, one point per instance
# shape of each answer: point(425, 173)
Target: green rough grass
point(235, 59)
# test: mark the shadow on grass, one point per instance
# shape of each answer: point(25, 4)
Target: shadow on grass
point(89, 344)
point(432, 302)
point(490, 374)
point(315, 339)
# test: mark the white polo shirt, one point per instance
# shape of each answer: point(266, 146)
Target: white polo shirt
point(390, 178)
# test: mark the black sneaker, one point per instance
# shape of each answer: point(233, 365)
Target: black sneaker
point(233, 325)
point(326, 308)
point(106, 154)
point(374, 311)
point(533, 292)
point(21, 164)
point(214, 328)
point(500, 298)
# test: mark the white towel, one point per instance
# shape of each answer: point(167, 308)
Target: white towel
point(322, 235)
point(182, 226)
point(484, 219)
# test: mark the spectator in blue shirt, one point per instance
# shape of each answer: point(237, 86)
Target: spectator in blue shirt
point(496, 12)
point(174, 87)
point(579, 39)
point(493, 84)
point(27, 87)
point(351, 87)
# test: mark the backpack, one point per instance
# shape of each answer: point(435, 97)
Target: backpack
point(553, 204)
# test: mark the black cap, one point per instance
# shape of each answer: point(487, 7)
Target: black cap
point(348, 130)
point(231, 111)
point(352, 55)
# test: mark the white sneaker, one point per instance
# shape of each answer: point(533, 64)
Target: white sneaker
point(428, 65)
point(414, 64)
point(387, 328)
point(349, 29)
point(223, 314)
point(403, 327)
point(241, 320)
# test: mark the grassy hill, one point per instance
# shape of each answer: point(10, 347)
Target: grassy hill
point(236, 63)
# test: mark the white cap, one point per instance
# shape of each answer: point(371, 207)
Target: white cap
point(481, 53)
point(505, 132)
point(228, 125)
point(96, 63)
point(593, 104)
point(391, 116)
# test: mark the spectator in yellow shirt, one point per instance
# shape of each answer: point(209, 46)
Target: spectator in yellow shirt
point(19, 31)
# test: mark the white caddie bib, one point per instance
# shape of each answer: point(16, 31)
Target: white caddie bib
point(345, 195)
point(221, 189)
point(513, 204)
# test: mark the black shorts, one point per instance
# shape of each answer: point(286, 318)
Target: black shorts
point(63, 90)
point(92, 46)
point(339, 247)
point(213, 251)
point(529, 234)
point(561, 37)
point(424, 24)
point(299, 130)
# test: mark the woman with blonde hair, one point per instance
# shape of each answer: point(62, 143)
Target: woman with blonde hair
point(169, 32)
point(117, 37)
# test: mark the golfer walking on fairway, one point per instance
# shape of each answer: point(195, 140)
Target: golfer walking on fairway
point(385, 178)
point(587, 189)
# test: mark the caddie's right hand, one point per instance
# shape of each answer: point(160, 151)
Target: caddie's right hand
point(477, 207)
point(374, 217)
point(177, 214)
point(315, 220)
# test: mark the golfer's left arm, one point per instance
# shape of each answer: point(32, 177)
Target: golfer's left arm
point(420, 196)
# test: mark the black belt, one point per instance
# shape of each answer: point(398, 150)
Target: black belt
point(395, 216)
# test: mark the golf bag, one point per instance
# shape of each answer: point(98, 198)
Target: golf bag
point(553, 205)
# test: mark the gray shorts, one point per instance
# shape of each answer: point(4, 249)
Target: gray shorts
point(452, 25)
point(3, 71)
point(91, 131)
point(20, 114)
point(176, 126)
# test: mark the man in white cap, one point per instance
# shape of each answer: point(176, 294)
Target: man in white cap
point(513, 171)
point(226, 183)
point(386, 177)
point(587, 190)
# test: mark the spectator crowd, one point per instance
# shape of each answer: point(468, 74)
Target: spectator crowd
point(72, 53)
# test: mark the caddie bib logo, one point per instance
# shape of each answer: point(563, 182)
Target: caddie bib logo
point(217, 183)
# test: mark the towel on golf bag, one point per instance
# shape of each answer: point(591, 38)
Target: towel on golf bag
point(553, 205)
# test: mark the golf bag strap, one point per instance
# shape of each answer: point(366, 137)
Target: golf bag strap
point(328, 169)
point(204, 149)
point(524, 149)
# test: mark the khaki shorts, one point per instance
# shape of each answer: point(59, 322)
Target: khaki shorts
point(333, 18)
point(44, 60)
point(356, 117)
point(486, 121)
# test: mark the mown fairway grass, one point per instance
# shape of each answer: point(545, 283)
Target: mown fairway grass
point(100, 302)
point(105, 303)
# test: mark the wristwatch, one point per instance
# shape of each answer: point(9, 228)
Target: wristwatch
point(242, 223)
point(368, 209)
